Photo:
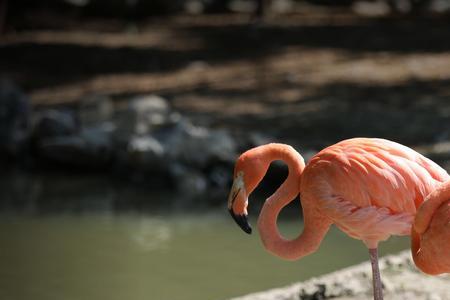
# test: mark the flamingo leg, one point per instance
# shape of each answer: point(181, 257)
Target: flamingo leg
point(376, 279)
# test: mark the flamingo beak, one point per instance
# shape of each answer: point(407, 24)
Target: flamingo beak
point(237, 204)
point(242, 221)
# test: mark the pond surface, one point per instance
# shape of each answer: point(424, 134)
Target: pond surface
point(134, 256)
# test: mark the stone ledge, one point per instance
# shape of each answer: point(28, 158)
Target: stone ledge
point(401, 281)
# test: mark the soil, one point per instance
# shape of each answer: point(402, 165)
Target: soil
point(309, 78)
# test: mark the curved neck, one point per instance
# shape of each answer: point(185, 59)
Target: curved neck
point(316, 225)
point(415, 250)
point(428, 237)
point(423, 259)
point(263, 156)
point(430, 205)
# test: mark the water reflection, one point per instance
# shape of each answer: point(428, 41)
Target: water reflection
point(152, 234)
point(56, 192)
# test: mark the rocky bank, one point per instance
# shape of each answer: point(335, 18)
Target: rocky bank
point(401, 281)
point(143, 138)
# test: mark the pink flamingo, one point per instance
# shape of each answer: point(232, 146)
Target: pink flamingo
point(430, 233)
point(369, 188)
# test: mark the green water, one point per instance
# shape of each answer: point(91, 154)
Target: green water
point(106, 256)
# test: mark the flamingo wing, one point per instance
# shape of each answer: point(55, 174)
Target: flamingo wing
point(370, 187)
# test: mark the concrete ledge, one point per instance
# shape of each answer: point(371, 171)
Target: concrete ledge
point(401, 281)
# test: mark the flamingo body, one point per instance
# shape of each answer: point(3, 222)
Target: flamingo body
point(370, 188)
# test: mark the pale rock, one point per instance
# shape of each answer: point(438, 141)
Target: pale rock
point(197, 146)
point(95, 110)
point(145, 152)
point(142, 116)
point(401, 279)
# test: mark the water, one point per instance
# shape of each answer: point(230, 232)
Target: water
point(134, 256)
point(91, 238)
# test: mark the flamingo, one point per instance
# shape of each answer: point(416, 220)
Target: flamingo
point(430, 233)
point(369, 188)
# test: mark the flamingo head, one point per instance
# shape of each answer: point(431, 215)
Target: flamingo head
point(431, 232)
point(238, 201)
point(435, 243)
point(249, 171)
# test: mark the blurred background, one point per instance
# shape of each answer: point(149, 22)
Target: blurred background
point(120, 121)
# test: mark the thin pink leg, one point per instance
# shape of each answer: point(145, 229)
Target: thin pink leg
point(376, 279)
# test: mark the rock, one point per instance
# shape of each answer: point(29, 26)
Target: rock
point(190, 155)
point(150, 132)
point(142, 116)
point(197, 146)
point(401, 280)
point(98, 139)
point(54, 123)
point(146, 153)
point(14, 118)
point(59, 138)
point(95, 110)
point(151, 111)
point(91, 148)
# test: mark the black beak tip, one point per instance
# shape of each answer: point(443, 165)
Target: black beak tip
point(242, 221)
point(247, 229)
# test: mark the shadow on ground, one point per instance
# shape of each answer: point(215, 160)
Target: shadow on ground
point(37, 64)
